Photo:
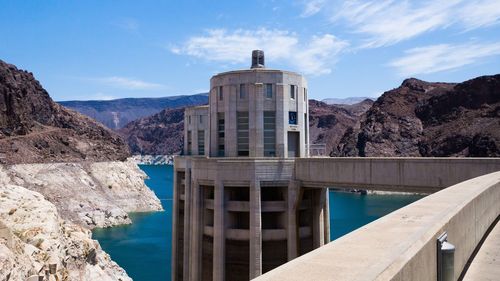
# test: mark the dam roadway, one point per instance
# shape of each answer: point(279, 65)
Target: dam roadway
point(402, 245)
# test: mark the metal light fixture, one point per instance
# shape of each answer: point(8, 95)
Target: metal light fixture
point(445, 259)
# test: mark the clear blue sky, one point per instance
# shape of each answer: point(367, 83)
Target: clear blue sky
point(114, 49)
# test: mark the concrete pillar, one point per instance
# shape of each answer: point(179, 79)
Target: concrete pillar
point(326, 215)
point(318, 218)
point(255, 230)
point(219, 251)
point(194, 135)
point(196, 232)
point(187, 221)
point(175, 225)
point(293, 202)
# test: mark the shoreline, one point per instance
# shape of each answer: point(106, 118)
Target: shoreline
point(375, 192)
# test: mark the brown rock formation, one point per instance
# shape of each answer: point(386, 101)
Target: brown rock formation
point(430, 119)
point(35, 129)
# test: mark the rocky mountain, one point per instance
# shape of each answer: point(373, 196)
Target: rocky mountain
point(328, 123)
point(35, 129)
point(430, 119)
point(347, 101)
point(159, 134)
point(115, 114)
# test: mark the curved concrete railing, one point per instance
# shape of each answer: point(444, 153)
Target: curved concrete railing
point(402, 245)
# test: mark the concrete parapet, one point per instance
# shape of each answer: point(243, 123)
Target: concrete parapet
point(425, 175)
point(402, 245)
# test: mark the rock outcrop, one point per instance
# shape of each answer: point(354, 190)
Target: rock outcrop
point(33, 235)
point(153, 159)
point(430, 119)
point(35, 129)
point(159, 134)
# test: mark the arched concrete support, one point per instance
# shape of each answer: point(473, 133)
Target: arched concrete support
point(294, 197)
point(255, 230)
point(326, 216)
point(319, 199)
point(219, 251)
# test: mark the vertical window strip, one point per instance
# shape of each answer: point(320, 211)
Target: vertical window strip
point(243, 134)
point(269, 133)
point(220, 134)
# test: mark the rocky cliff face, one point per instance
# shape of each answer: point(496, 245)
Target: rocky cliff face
point(89, 194)
point(159, 134)
point(33, 235)
point(328, 123)
point(35, 129)
point(430, 119)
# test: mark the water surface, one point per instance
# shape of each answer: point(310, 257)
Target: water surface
point(143, 248)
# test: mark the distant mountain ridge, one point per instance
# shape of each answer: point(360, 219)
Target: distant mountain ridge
point(115, 114)
point(348, 101)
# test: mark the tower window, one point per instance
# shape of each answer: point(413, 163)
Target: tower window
point(220, 134)
point(189, 119)
point(293, 89)
point(269, 91)
point(243, 91)
point(292, 118)
point(201, 119)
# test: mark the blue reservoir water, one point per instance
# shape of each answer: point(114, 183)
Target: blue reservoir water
point(143, 248)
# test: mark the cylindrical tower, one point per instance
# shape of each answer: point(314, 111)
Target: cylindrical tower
point(258, 112)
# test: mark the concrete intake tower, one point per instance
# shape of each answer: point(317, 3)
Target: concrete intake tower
point(238, 212)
